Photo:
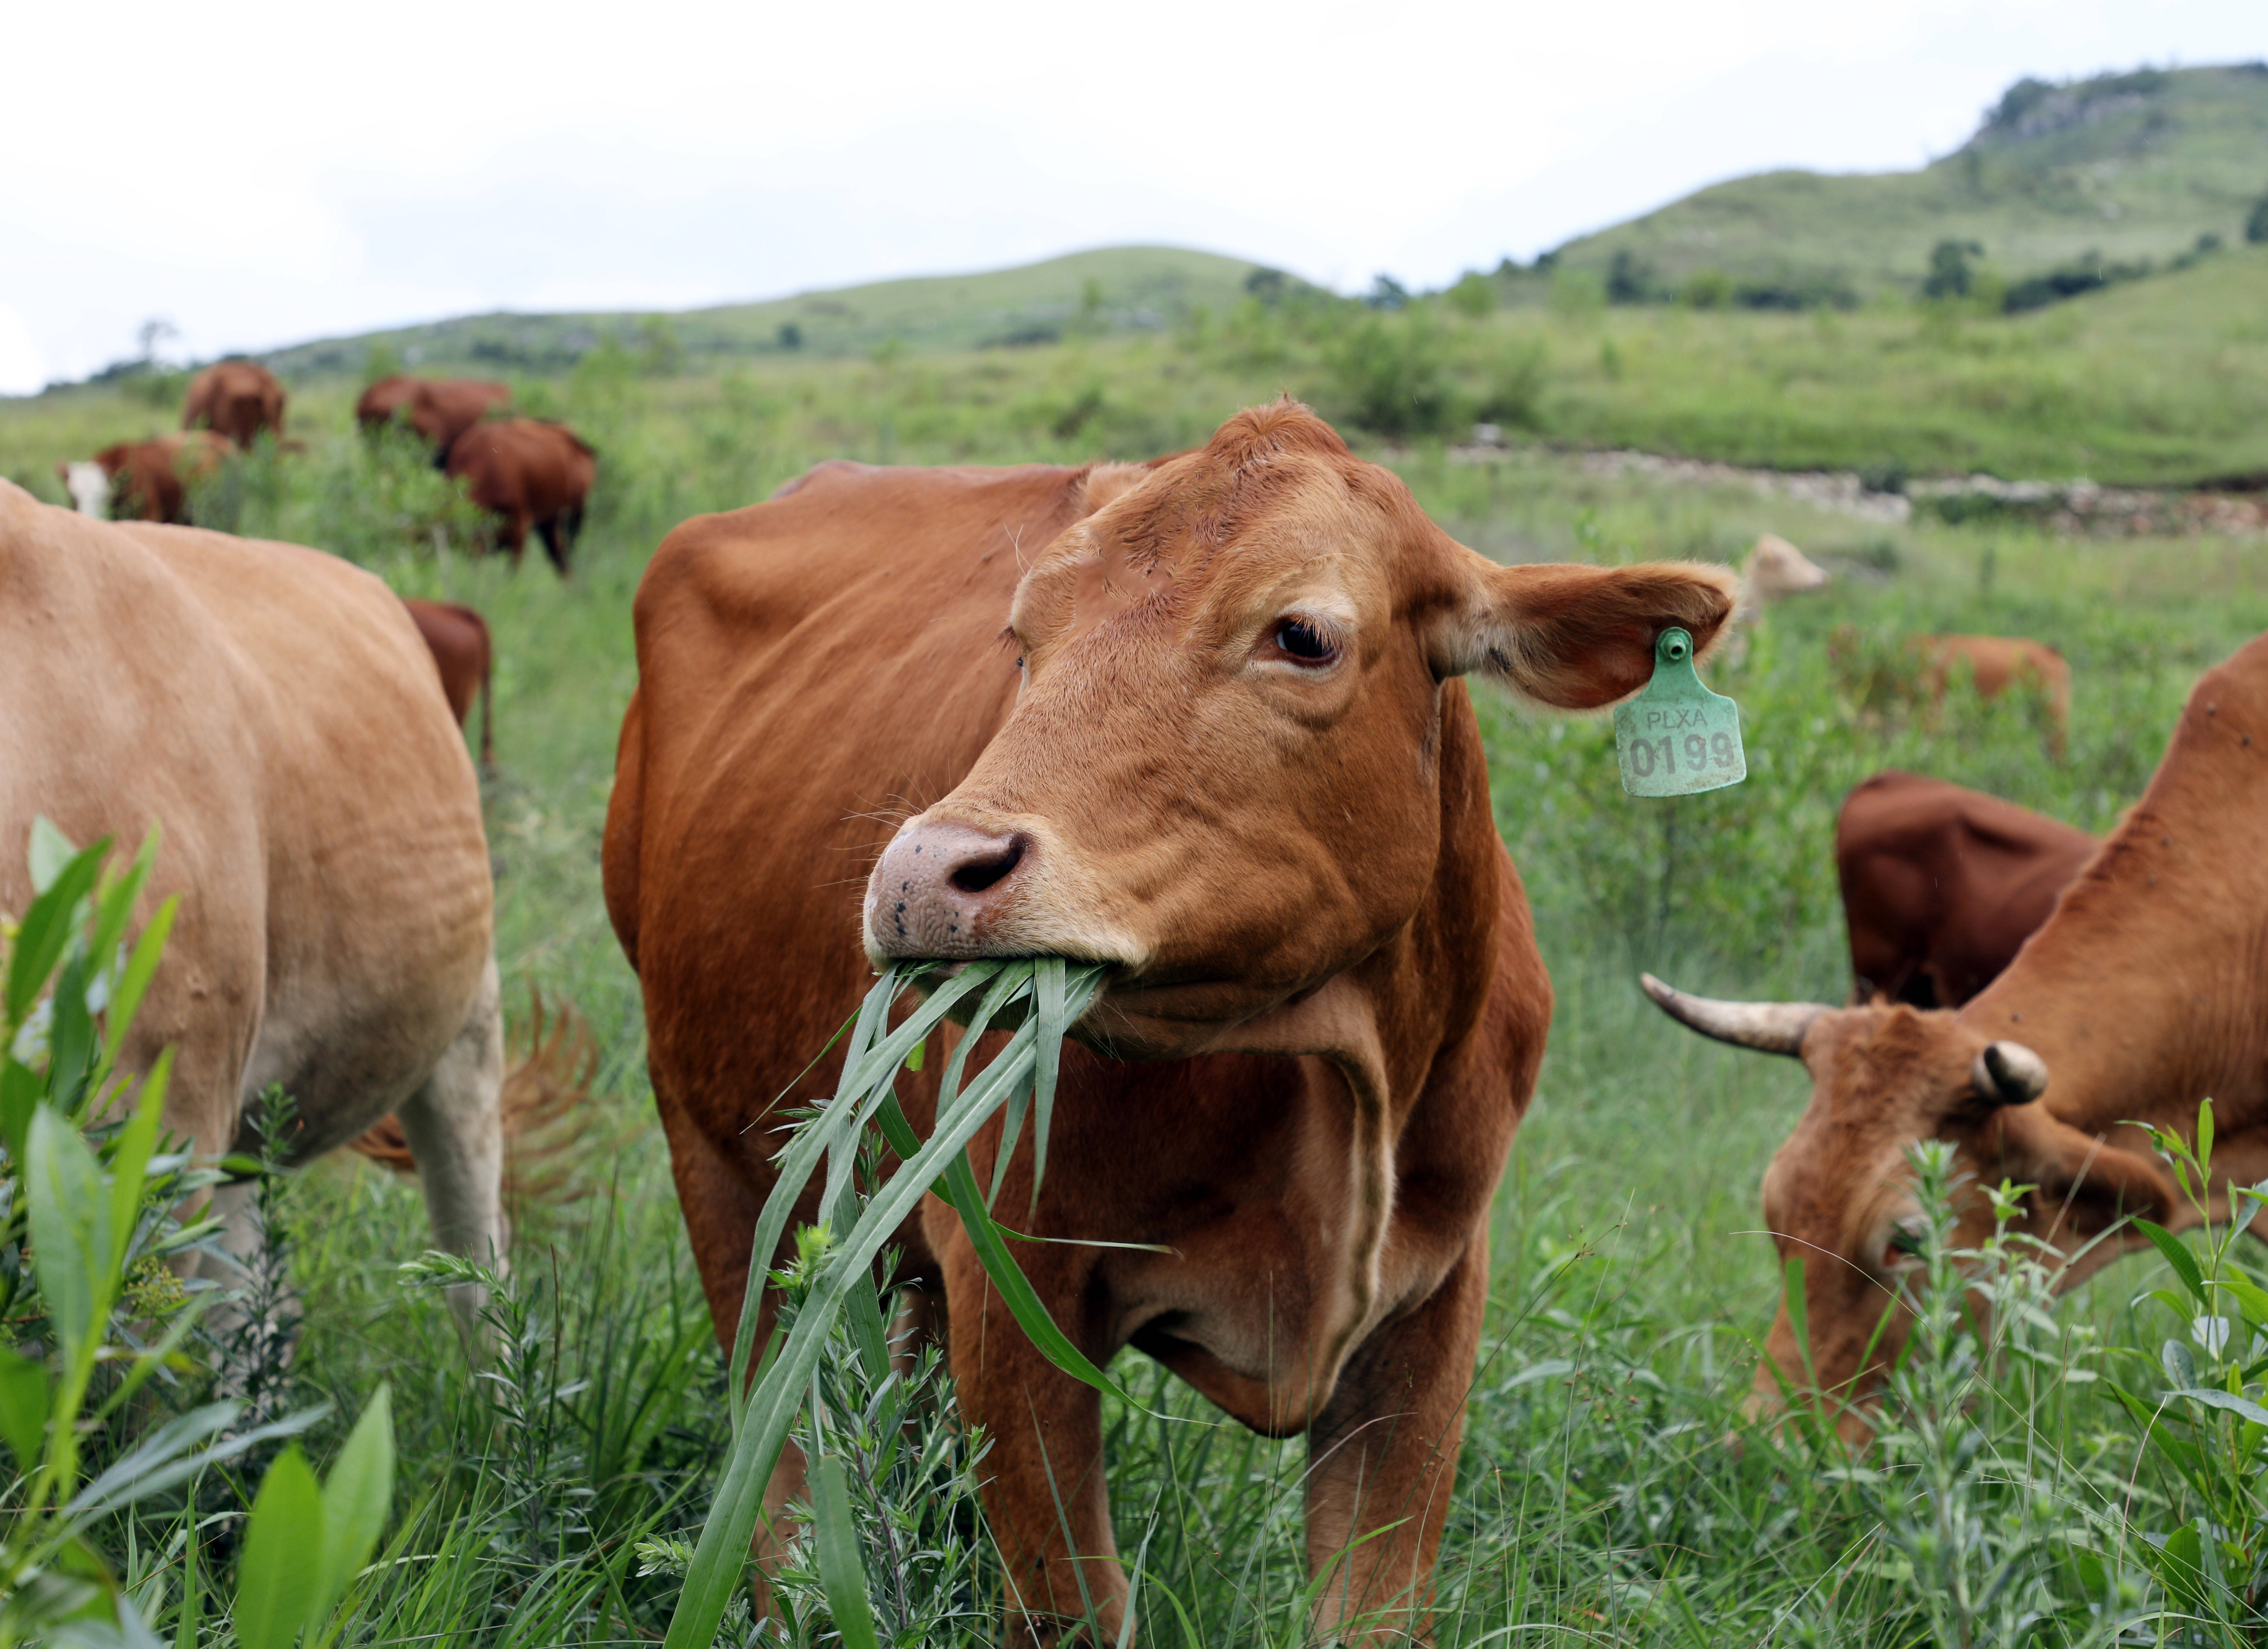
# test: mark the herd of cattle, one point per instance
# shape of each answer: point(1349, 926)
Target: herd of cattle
point(523, 474)
point(1220, 746)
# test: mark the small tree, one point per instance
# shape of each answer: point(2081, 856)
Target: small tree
point(1951, 274)
point(2255, 224)
point(1474, 295)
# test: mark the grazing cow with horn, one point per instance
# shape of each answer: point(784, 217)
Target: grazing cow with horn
point(2145, 992)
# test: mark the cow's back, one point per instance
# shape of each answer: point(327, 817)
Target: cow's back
point(272, 710)
point(810, 670)
point(1942, 884)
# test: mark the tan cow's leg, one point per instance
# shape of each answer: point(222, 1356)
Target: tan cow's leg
point(1045, 1493)
point(454, 1124)
point(1384, 1451)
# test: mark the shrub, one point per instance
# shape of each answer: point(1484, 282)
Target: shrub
point(1630, 279)
point(2255, 222)
point(1474, 296)
point(1707, 289)
point(1388, 375)
point(1950, 271)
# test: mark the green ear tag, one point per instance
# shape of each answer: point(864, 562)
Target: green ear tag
point(1677, 738)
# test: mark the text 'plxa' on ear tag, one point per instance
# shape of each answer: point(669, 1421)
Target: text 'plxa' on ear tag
point(1677, 738)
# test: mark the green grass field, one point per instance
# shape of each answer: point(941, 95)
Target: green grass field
point(1598, 1502)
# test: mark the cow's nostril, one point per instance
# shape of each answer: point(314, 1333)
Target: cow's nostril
point(974, 875)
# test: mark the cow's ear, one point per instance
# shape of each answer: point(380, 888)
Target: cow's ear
point(1578, 637)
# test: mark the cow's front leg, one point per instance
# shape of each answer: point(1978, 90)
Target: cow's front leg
point(1045, 1493)
point(1383, 1456)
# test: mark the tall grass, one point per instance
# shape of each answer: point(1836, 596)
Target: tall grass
point(1597, 1499)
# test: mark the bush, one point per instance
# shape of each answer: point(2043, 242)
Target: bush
point(2255, 222)
point(1950, 273)
point(1388, 374)
point(1474, 296)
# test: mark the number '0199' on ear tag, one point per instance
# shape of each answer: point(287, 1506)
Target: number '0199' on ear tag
point(1677, 738)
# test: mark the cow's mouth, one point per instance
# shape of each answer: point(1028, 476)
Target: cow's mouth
point(1129, 1017)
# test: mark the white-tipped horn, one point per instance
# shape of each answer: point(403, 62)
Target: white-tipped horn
point(1769, 1028)
point(2008, 1073)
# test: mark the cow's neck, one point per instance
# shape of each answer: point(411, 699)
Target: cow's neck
point(2144, 992)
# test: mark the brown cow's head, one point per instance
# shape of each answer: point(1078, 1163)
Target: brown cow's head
point(1220, 776)
point(1838, 1195)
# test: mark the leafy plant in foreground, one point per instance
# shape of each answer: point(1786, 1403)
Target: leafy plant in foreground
point(1048, 997)
point(2210, 1424)
point(90, 1203)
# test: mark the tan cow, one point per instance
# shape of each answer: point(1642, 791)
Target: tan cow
point(1220, 746)
point(237, 399)
point(273, 710)
point(2142, 995)
point(440, 409)
point(1776, 569)
point(1995, 663)
point(148, 481)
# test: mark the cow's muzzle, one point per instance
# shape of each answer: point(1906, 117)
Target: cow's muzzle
point(941, 891)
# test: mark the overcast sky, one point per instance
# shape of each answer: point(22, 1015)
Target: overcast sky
point(263, 171)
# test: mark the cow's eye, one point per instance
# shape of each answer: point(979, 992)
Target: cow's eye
point(1906, 1239)
point(1302, 641)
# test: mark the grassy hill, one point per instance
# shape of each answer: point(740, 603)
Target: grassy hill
point(1111, 288)
point(2131, 166)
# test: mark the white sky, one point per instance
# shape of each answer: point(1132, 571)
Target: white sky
point(266, 172)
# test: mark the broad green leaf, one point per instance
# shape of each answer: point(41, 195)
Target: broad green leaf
point(2179, 1565)
point(23, 1407)
point(2214, 1399)
point(20, 1089)
point(834, 1537)
point(51, 853)
point(2205, 1137)
point(70, 1227)
point(284, 1542)
point(2177, 1255)
point(2251, 1299)
point(114, 905)
point(355, 1500)
point(129, 1162)
point(46, 929)
point(126, 1000)
point(70, 1038)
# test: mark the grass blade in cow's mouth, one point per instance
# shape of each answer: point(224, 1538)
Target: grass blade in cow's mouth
point(1041, 997)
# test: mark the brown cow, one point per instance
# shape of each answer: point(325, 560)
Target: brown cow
point(1219, 747)
point(235, 398)
point(2141, 995)
point(526, 472)
point(271, 709)
point(1996, 663)
point(458, 638)
point(440, 409)
point(1941, 886)
point(148, 481)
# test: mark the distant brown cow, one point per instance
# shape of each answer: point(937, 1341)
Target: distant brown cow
point(235, 398)
point(1996, 663)
point(458, 638)
point(440, 409)
point(1941, 886)
point(146, 480)
point(2141, 997)
point(528, 473)
point(1222, 745)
